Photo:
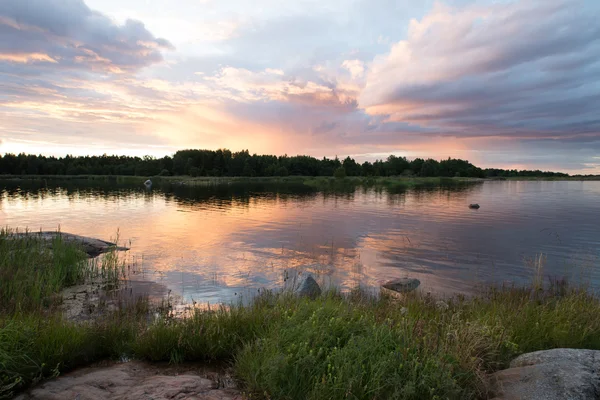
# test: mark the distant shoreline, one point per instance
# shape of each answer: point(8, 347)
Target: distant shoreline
point(189, 180)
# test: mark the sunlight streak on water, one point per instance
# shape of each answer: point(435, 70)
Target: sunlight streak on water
point(216, 244)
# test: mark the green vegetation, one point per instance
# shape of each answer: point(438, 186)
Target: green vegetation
point(197, 163)
point(319, 183)
point(27, 260)
point(340, 184)
point(340, 173)
point(283, 347)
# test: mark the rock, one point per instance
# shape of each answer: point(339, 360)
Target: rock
point(132, 381)
point(92, 300)
point(558, 374)
point(474, 206)
point(402, 285)
point(92, 247)
point(308, 287)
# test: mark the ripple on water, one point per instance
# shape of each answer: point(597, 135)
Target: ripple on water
point(213, 244)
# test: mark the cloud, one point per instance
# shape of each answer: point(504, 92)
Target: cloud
point(525, 69)
point(65, 71)
point(356, 67)
point(27, 58)
point(511, 82)
point(68, 34)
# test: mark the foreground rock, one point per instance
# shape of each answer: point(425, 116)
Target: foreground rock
point(308, 287)
point(136, 381)
point(93, 247)
point(558, 374)
point(402, 285)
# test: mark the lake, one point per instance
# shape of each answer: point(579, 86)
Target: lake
point(213, 244)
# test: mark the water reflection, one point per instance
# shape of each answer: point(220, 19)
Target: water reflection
point(216, 243)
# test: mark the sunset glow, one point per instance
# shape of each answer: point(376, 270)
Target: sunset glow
point(502, 84)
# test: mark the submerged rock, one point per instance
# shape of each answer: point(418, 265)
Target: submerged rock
point(93, 247)
point(555, 374)
point(136, 381)
point(474, 206)
point(308, 287)
point(402, 285)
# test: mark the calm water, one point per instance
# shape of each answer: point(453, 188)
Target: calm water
point(213, 244)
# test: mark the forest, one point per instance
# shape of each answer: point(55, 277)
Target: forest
point(224, 162)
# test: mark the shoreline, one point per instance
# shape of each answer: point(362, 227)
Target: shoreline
point(482, 335)
point(446, 347)
point(189, 180)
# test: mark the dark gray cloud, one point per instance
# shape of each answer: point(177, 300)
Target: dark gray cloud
point(68, 34)
point(519, 69)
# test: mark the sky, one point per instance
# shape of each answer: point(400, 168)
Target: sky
point(502, 83)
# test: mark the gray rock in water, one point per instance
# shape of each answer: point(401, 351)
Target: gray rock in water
point(558, 374)
point(93, 247)
point(474, 206)
point(402, 285)
point(308, 287)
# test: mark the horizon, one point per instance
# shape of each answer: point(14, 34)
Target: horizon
point(507, 84)
point(336, 158)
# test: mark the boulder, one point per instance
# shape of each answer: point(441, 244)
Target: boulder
point(93, 247)
point(558, 374)
point(402, 285)
point(308, 287)
point(474, 206)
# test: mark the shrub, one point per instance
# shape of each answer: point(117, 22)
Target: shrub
point(282, 171)
point(340, 173)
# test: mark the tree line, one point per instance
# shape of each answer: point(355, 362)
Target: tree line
point(227, 163)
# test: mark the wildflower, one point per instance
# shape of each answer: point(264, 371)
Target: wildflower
point(441, 305)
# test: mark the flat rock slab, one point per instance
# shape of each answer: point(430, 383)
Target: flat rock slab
point(133, 381)
point(93, 247)
point(558, 374)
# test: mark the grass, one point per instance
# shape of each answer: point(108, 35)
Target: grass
point(325, 183)
point(318, 182)
point(551, 178)
point(283, 347)
point(98, 178)
point(416, 348)
point(31, 274)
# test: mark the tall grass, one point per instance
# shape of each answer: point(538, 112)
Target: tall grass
point(414, 348)
point(32, 273)
point(34, 347)
point(283, 347)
